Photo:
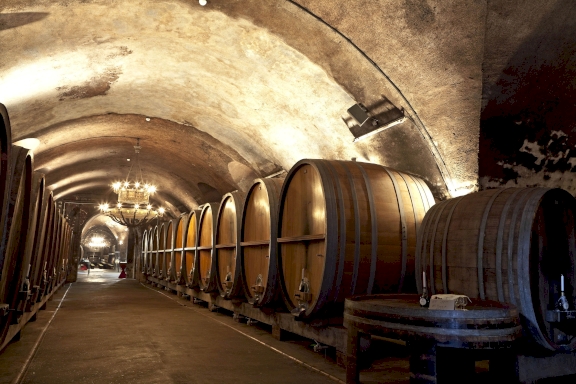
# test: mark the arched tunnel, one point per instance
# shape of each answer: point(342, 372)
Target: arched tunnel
point(463, 98)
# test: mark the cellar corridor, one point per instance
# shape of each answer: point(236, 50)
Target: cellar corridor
point(288, 185)
point(110, 330)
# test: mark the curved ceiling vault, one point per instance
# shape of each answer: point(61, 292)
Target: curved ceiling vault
point(233, 90)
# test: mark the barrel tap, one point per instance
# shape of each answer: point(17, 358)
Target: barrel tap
point(258, 288)
point(562, 303)
point(26, 284)
point(191, 277)
point(228, 280)
point(303, 295)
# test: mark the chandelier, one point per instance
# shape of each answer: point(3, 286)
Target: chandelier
point(97, 242)
point(133, 208)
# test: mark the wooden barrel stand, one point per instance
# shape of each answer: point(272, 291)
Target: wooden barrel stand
point(439, 341)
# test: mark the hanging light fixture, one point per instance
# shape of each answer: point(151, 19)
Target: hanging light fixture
point(133, 207)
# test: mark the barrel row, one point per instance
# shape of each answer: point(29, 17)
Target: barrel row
point(330, 230)
point(36, 238)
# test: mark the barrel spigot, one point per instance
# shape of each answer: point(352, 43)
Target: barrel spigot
point(258, 288)
point(302, 295)
point(319, 347)
point(228, 280)
point(562, 303)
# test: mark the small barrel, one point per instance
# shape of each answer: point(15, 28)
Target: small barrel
point(205, 268)
point(346, 228)
point(189, 252)
point(258, 244)
point(228, 269)
point(511, 245)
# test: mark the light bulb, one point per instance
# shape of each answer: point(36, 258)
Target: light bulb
point(149, 207)
point(203, 2)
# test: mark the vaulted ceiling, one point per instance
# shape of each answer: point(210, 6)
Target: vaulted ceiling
point(238, 89)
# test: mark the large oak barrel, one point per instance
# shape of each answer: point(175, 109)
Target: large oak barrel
point(258, 244)
point(205, 268)
point(145, 250)
point(36, 235)
point(226, 249)
point(509, 245)
point(177, 247)
point(347, 228)
point(168, 250)
point(62, 258)
point(160, 252)
point(190, 244)
point(64, 252)
point(154, 242)
point(5, 163)
point(45, 249)
point(51, 248)
point(13, 265)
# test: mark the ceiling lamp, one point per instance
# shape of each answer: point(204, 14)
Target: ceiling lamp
point(133, 208)
point(97, 242)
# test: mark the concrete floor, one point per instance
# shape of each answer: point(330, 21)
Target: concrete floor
point(120, 331)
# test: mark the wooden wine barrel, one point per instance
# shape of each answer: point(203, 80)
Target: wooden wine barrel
point(65, 252)
point(154, 263)
point(347, 228)
point(46, 246)
point(168, 250)
point(227, 246)
point(205, 268)
point(178, 246)
point(60, 270)
point(53, 251)
point(5, 163)
point(144, 251)
point(161, 247)
point(13, 265)
point(509, 245)
point(258, 244)
point(35, 236)
point(189, 253)
point(149, 242)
